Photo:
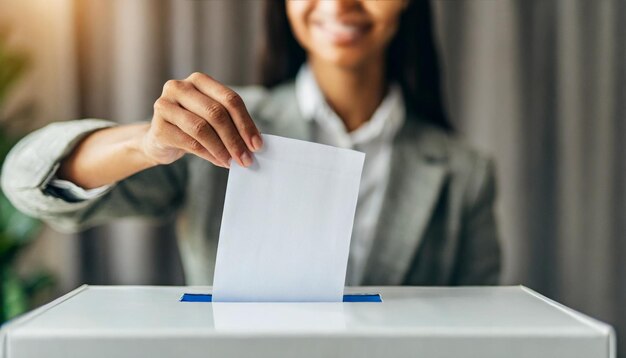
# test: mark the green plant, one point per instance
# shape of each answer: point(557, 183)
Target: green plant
point(17, 230)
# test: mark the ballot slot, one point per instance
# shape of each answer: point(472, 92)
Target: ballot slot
point(359, 297)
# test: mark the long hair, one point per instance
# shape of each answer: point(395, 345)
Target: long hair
point(411, 58)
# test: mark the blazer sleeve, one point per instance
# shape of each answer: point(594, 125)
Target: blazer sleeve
point(33, 162)
point(479, 260)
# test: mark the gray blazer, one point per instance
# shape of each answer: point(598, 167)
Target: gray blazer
point(437, 225)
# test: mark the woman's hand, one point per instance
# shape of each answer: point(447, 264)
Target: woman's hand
point(201, 116)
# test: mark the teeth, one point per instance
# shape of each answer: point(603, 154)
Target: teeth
point(342, 28)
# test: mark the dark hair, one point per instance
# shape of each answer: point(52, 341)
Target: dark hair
point(411, 58)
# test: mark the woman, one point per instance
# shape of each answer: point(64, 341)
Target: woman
point(358, 74)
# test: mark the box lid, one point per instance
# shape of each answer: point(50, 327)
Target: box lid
point(125, 321)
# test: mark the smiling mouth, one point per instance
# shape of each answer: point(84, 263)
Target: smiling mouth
point(340, 33)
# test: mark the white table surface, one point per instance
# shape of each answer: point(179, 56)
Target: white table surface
point(133, 321)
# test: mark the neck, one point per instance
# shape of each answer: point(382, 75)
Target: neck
point(355, 93)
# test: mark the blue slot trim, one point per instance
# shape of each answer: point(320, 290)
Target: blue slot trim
point(207, 297)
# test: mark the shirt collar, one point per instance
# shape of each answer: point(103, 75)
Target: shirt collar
point(384, 123)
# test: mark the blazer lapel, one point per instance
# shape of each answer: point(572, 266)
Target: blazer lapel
point(417, 173)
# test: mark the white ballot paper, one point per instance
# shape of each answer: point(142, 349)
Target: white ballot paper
point(287, 222)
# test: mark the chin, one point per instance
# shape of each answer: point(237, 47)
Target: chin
point(344, 58)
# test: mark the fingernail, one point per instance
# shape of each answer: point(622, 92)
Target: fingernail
point(257, 142)
point(246, 159)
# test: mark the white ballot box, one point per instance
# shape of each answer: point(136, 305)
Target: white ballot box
point(483, 322)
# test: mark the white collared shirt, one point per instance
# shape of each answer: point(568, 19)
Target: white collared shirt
point(374, 138)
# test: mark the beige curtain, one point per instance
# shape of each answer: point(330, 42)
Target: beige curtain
point(538, 84)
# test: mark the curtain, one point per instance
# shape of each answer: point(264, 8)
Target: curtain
point(539, 85)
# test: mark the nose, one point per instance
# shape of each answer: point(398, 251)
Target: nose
point(337, 7)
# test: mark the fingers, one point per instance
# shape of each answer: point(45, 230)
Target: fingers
point(177, 138)
point(219, 119)
point(212, 115)
point(191, 133)
point(233, 104)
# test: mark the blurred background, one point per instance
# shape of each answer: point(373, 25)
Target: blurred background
point(538, 84)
